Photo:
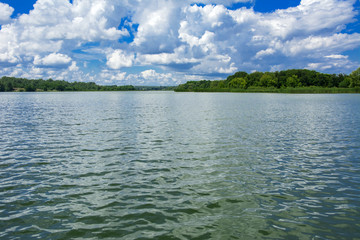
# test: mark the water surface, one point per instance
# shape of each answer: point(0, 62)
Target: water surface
point(164, 165)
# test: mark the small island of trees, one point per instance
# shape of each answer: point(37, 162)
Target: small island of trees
point(288, 81)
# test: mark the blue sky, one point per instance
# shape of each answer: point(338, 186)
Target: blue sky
point(168, 42)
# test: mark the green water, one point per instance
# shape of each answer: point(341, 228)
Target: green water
point(164, 165)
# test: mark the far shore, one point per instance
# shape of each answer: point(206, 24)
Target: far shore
point(299, 90)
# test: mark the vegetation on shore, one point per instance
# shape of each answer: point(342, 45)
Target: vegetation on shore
point(154, 88)
point(288, 81)
point(10, 84)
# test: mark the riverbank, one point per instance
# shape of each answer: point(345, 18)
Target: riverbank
point(300, 90)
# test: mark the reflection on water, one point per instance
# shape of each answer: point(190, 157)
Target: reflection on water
point(166, 165)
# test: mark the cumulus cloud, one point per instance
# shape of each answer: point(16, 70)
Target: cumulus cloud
point(158, 23)
point(320, 44)
point(83, 20)
point(113, 77)
point(339, 64)
point(5, 13)
point(179, 59)
point(310, 17)
point(198, 39)
point(152, 77)
point(73, 67)
point(262, 53)
point(223, 2)
point(55, 26)
point(263, 41)
point(52, 60)
point(118, 59)
point(8, 58)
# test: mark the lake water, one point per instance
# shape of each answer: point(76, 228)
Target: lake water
point(164, 165)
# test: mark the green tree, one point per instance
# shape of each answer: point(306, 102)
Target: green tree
point(60, 87)
point(292, 81)
point(345, 83)
point(238, 82)
point(221, 84)
point(30, 88)
point(356, 73)
point(254, 78)
point(267, 80)
point(355, 78)
point(9, 87)
point(216, 84)
point(237, 75)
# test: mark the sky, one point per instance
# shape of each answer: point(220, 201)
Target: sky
point(169, 42)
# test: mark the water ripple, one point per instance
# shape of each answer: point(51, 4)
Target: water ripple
point(159, 165)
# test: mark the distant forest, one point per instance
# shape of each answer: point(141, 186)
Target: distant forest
point(294, 80)
point(9, 84)
point(288, 81)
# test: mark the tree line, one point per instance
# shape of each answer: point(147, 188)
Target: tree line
point(9, 84)
point(287, 80)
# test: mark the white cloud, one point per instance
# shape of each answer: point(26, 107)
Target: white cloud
point(59, 26)
point(52, 60)
point(165, 59)
point(158, 23)
point(177, 37)
point(8, 45)
point(73, 67)
point(149, 74)
point(222, 2)
point(337, 62)
point(310, 17)
point(118, 59)
point(320, 45)
point(216, 39)
point(5, 13)
point(83, 20)
point(337, 56)
point(263, 53)
point(112, 77)
point(299, 33)
point(8, 58)
point(211, 15)
point(152, 77)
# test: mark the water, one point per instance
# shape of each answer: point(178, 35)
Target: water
point(164, 165)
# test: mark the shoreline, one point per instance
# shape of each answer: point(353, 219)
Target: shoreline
point(300, 90)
